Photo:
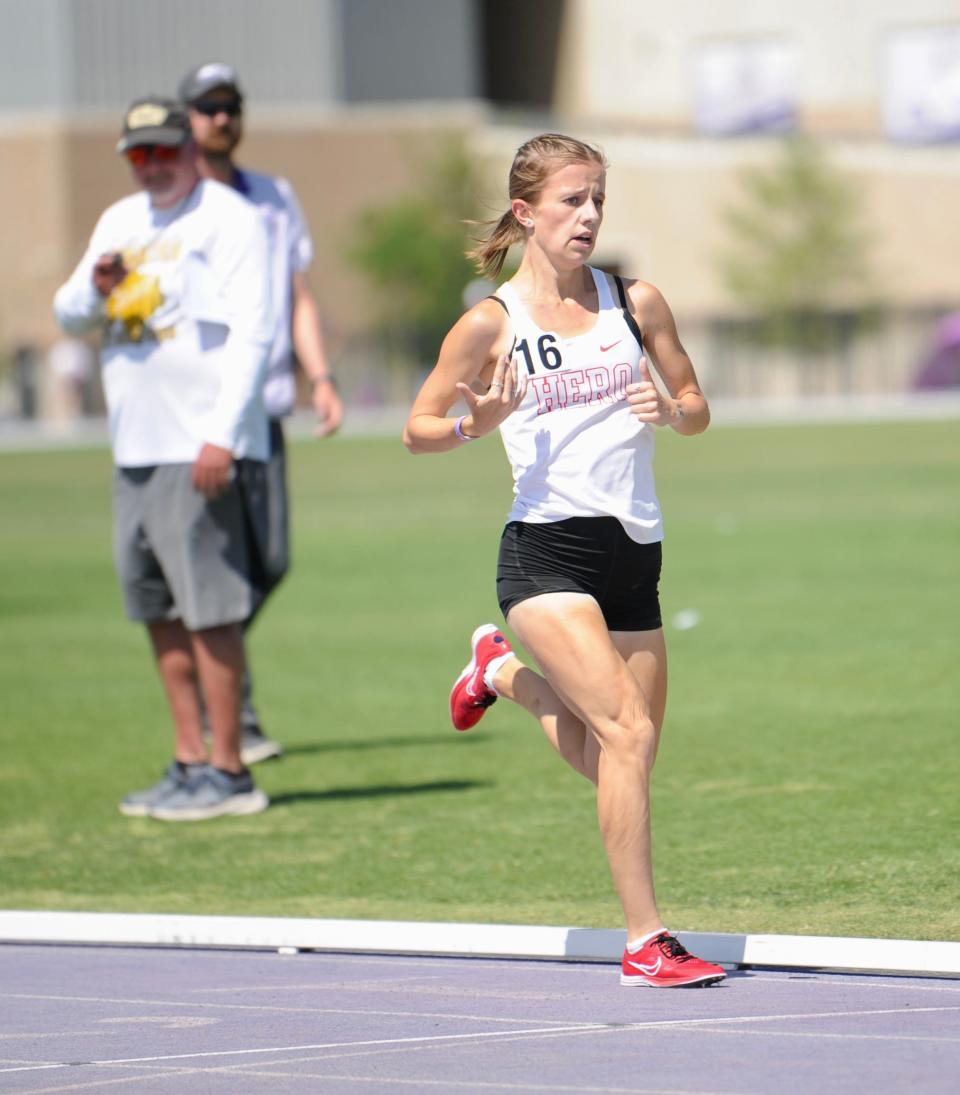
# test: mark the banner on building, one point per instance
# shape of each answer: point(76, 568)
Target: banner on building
point(745, 86)
point(921, 84)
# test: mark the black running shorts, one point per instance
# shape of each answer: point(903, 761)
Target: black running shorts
point(591, 555)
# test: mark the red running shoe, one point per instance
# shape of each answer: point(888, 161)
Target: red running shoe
point(470, 697)
point(664, 962)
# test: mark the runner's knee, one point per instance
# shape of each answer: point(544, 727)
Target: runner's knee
point(631, 743)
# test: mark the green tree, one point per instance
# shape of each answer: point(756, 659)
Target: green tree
point(798, 251)
point(412, 252)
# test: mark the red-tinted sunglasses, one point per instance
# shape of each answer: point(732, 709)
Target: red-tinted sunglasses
point(162, 153)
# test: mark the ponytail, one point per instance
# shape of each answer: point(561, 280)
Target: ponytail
point(491, 251)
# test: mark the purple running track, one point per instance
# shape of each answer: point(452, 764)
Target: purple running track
point(165, 1021)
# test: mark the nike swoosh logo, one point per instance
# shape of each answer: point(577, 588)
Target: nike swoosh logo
point(650, 971)
point(603, 349)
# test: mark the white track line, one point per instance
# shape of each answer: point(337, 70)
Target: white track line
point(275, 1008)
point(887, 982)
point(101, 1083)
point(838, 1037)
point(579, 1028)
point(474, 1085)
point(424, 1039)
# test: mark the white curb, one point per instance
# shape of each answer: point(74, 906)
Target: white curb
point(471, 940)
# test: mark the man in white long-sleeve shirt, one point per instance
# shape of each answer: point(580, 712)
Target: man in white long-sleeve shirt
point(176, 277)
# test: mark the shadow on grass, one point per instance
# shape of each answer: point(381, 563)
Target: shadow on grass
point(359, 745)
point(335, 794)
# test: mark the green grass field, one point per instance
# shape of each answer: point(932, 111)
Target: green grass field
point(809, 780)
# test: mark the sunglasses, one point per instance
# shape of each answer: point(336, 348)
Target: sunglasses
point(211, 107)
point(162, 153)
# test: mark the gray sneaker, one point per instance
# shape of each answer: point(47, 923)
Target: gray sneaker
point(140, 803)
point(211, 792)
point(255, 746)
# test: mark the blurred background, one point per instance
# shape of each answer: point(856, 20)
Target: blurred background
point(786, 172)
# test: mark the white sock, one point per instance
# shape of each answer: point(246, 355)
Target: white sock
point(634, 945)
point(492, 669)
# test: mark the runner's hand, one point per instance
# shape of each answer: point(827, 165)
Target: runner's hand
point(502, 398)
point(645, 400)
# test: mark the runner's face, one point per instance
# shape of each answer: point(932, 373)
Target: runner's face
point(567, 216)
point(217, 132)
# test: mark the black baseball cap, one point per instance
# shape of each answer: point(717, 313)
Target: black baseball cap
point(204, 78)
point(153, 120)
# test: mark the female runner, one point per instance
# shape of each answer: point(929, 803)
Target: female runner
point(557, 360)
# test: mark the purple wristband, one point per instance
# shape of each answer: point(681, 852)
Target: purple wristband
point(458, 430)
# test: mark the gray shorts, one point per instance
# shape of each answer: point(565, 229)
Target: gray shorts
point(180, 556)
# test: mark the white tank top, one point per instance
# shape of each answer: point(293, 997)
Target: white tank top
point(574, 446)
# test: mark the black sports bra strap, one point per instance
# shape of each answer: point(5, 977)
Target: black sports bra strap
point(502, 303)
point(627, 315)
point(493, 296)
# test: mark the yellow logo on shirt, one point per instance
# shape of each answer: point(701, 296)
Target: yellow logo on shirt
point(133, 301)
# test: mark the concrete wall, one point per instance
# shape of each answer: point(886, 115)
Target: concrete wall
point(633, 63)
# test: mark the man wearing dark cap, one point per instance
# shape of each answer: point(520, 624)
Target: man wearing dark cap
point(214, 98)
point(175, 278)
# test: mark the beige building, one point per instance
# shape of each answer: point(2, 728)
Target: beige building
point(346, 97)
